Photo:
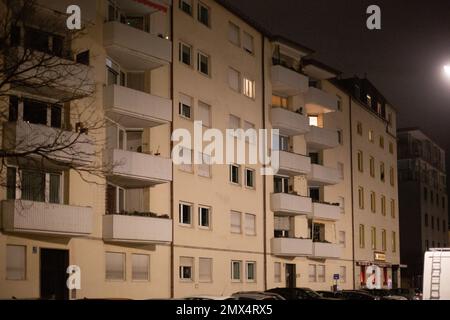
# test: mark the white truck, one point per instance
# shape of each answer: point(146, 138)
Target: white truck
point(436, 274)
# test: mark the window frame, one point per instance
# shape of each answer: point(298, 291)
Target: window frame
point(200, 217)
point(201, 54)
point(200, 4)
point(181, 222)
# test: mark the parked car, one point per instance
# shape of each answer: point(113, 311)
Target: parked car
point(349, 295)
point(408, 293)
point(256, 295)
point(206, 297)
point(298, 294)
point(384, 294)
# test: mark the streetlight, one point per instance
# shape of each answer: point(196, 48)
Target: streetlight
point(447, 70)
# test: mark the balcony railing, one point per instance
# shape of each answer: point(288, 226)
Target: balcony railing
point(288, 122)
point(326, 211)
point(318, 101)
point(288, 82)
point(293, 164)
point(47, 218)
point(290, 204)
point(291, 247)
point(326, 250)
point(323, 176)
point(320, 138)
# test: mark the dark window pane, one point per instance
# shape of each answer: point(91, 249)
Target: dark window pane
point(35, 112)
point(33, 186)
point(13, 108)
point(11, 183)
point(15, 36)
point(55, 188)
point(110, 199)
point(135, 22)
point(186, 7)
point(83, 57)
point(36, 40)
point(112, 76)
point(56, 116)
point(203, 15)
point(58, 46)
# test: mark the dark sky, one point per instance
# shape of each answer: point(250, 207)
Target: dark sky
point(404, 59)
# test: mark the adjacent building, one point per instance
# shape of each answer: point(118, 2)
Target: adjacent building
point(423, 200)
point(150, 228)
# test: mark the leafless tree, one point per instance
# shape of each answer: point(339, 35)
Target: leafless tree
point(40, 69)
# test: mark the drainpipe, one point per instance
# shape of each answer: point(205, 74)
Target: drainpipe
point(264, 177)
point(172, 263)
point(352, 190)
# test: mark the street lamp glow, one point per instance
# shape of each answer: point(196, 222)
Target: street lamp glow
point(447, 70)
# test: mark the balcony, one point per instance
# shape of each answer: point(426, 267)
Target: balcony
point(323, 176)
point(290, 204)
point(320, 138)
point(136, 229)
point(325, 211)
point(318, 101)
point(326, 250)
point(288, 122)
point(46, 218)
point(45, 74)
point(22, 137)
point(291, 247)
point(136, 109)
point(293, 164)
point(138, 170)
point(288, 82)
point(135, 49)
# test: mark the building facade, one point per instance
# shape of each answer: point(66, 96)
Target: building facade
point(149, 228)
point(423, 200)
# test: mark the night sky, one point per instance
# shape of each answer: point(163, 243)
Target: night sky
point(404, 59)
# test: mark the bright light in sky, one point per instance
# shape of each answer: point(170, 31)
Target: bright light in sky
point(447, 70)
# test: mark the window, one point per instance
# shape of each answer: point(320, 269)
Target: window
point(372, 166)
point(186, 6)
point(205, 269)
point(185, 213)
point(13, 114)
point(360, 161)
point(371, 137)
point(234, 79)
point(313, 121)
point(236, 270)
point(203, 64)
point(340, 166)
point(342, 241)
point(361, 197)
point(235, 222)
point(204, 217)
point(279, 102)
point(339, 103)
point(373, 237)
point(426, 219)
point(250, 178)
point(185, 54)
point(283, 143)
point(391, 148)
point(203, 12)
point(392, 176)
point(277, 272)
point(359, 128)
point(33, 186)
point(247, 42)
point(234, 122)
point(342, 204)
point(383, 205)
point(340, 137)
point(281, 184)
point(383, 240)
point(186, 160)
point(54, 188)
point(204, 169)
point(250, 224)
point(373, 202)
point(389, 119)
point(425, 194)
point(11, 183)
point(115, 266)
point(250, 271)
point(34, 112)
point(343, 274)
point(392, 208)
point(140, 267)
point(234, 174)
point(83, 57)
point(381, 142)
point(234, 34)
point(362, 240)
point(186, 269)
point(312, 273)
point(369, 100)
point(438, 224)
point(432, 223)
point(444, 226)
point(382, 174)
point(16, 262)
point(394, 241)
point(204, 114)
point(249, 88)
point(321, 273)
point(250, 133)
point(185, 106)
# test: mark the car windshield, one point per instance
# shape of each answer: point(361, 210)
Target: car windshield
point(311, 293)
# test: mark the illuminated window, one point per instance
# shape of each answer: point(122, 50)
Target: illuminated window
point(249, 88)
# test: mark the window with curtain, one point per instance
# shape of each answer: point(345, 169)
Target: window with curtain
point(250, 224)
point(15, 262)
point(234, 34)
point(203, 63)
point(204, 114)
point(186, 268)
point(205, 269)
point(140, 267)
point(33, 186)
point(247, 42)
point(251, 271)
point(185, 106)
point(236, 267)
point(282, 226)
point(235, 222)
point(249, 88)
point(55, 188)
point(115, 266)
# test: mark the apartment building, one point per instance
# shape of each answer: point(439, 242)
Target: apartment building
point(423, 200)
point(153, 229)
